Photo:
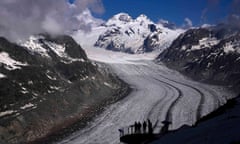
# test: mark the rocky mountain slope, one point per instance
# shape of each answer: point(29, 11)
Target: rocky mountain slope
point(210, 54)
point(48, 83)
point(125, 34)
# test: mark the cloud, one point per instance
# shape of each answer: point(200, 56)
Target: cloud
point(21, 18)
point(187, 23)
point(233, 17)
point(52, 26)
point(215, 6)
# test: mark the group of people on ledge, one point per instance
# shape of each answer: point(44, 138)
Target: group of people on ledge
point(138, 128)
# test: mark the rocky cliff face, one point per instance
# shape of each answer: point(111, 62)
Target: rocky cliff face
point(48, 83)
point(208, 54)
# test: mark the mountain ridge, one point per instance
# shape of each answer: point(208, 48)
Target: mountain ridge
point(122, 33)
point(206, 54)
point(47, 84)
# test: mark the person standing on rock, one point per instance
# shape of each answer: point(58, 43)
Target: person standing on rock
point(144, 126)
point(135, 127)
point(139, 127)
point(150, 128)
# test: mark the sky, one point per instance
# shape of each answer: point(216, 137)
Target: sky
point(22, 18)
point(198, 11)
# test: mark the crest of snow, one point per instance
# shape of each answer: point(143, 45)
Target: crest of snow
point(2, 76)
point(121, 18)
point(29, 105)
point(10, 63)
point(206, 42)
point(8, 112)
point(143, 19)
point(34, 46)
point(206, 25)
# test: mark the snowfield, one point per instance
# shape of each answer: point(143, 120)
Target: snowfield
point(158, 94)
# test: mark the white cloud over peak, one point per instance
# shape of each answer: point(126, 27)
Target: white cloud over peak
point(22, 18)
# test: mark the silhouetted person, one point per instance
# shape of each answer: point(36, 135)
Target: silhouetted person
point(136, 127)
point(144, 126)
point(150, 128)
point(165, 126)
point(121, 132)
point(139, 127)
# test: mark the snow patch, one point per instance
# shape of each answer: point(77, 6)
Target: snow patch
point(228, 47)
point(50, 77)
point(8, 112)
point(84, 78)
point(29, 105)
point(10, 63)
point(60, 51)
point(107, 84)
point(24, 92)
point(2, 76)
point(206, 42)
point(56, 48)
point(183, 47)
point(30, 82)
point(55, 87)
point(34, 46)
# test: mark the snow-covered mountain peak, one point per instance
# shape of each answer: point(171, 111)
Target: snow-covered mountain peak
point(143, 19)
point(120, 18)
point(125, 34)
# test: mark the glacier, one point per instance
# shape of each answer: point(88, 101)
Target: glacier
point(158, 94)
